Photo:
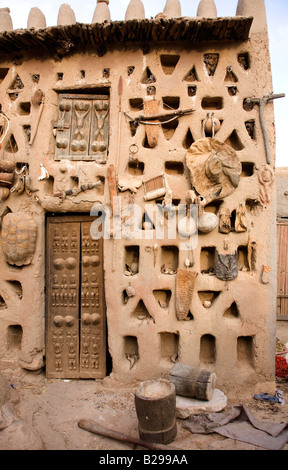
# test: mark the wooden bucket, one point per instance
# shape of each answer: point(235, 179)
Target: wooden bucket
point(192, 382)
point(155, 402)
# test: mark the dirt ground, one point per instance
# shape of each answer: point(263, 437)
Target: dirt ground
point(49, 411)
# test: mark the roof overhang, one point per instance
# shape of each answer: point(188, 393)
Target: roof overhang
point(63, 40)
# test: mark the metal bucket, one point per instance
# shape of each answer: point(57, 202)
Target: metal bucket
point(155, 402)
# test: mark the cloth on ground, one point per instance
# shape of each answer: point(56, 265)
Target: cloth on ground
point(240, 424)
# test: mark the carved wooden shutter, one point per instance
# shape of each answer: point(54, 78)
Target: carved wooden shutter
point(82, 130)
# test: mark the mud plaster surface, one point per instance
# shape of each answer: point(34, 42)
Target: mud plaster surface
point(52, 408)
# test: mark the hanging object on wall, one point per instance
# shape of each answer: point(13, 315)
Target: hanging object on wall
point(252, 245)
point(82, 188)
point(226, 267)
point(266, 179)
point(44, 175)
point(19, 236)
point(207, 221)
point(154, 188)
point(211, 125)
point(113, 190)
point(265, 275)
point(152, 132)
point(214, 167)
point(23, 182)
point(7, 168)
point(129, 184)
point(262, 103)
point(225, 221)
point(38, 103)
point(187, 226)
point(240, 221)
point(185, 284)
point(158, 119)
point(7, 126)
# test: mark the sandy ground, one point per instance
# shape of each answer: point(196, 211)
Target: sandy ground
point(51, 410)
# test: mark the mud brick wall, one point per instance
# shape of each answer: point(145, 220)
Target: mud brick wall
point(152, 316)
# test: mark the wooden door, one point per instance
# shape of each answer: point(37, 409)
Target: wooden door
point(75, 317)
point(282, 275)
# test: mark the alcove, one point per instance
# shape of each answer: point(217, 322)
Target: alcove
point(208, 349)
point(245, 350)
point(169, 345)
point(14, 337)
point(169, 63)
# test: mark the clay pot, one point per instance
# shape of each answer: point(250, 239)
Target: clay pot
point(187, 227)
point(207, 222)
point(209, 123)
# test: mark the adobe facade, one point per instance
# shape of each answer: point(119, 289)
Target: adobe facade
point(158, 113)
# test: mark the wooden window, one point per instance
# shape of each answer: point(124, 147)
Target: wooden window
point(82, 130)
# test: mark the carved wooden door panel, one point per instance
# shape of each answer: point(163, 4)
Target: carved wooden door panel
point(82, 130)
point(75, 318)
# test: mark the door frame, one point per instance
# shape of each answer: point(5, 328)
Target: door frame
point(282, 269)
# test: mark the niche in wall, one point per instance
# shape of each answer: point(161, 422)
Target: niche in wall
point(3, 73)
point(131, 351)
point(188, 140)
point(141, 312)
point(14, 337)
point(169, 258)
point(247, 169)
point(17, 288)
point(192, 75)
point(174, 168)
point(2, 303)
point(135, 168)
point(208, 349)
point(234, 141)
point(232, 311)
point(208, 296)
point(148, 76)
point(169, 345)
point(132, 254)
point(211, 62)
point(171, 102)
point(212, 103)
point(207, 259)
point(242, 253)
point(244, 60)
point(169, 63)
point(245, 350)
point(163, 297)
